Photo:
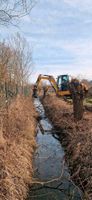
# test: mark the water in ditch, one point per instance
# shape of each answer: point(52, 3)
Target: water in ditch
point(51, 175)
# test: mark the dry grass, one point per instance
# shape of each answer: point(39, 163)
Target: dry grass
point(17, 143)
point(76, 137)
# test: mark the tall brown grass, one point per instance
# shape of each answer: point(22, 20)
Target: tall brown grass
point(77, 139)
point(17, 143)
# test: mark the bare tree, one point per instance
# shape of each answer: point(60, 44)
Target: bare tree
point(15, 66)
point(12, 10)
point(22, 59)
point(5, 55)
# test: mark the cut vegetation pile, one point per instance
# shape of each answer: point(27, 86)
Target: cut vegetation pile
point(76, 137)
point(17, 143)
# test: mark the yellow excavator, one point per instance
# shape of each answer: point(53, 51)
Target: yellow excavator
point(64, 87)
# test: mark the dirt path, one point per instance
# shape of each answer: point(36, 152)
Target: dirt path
point(77, 139)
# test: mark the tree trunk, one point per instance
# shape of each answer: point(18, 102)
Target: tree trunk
point(77, 106)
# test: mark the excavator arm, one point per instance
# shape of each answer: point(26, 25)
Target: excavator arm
point(45, 77)
point(49, 78)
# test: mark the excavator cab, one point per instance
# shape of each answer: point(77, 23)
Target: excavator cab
point(63, 82)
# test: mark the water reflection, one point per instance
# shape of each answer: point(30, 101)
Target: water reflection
point(50, 167)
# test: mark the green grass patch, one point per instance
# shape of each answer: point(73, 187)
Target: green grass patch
point(88, 100)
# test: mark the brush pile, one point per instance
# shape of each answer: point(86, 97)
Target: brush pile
point(17, 143)
point(77, 139)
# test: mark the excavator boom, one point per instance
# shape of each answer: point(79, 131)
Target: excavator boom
point(50, 79)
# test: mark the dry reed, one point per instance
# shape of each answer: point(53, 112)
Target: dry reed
point(77, 139)
point(17, 143)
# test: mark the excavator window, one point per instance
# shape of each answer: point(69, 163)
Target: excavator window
point(63, 82)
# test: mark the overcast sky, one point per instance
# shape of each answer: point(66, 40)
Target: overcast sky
point(60, 35)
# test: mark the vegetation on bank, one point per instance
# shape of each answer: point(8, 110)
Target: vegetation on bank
point(17, 119)
point(77, 139)
point(17, 143)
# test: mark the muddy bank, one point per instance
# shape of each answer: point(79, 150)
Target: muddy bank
point(17, 143)
point(77, 139)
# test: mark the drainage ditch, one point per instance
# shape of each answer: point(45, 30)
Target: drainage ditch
point(51, 175)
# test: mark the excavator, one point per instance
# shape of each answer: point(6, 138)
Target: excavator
point(64, 87)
